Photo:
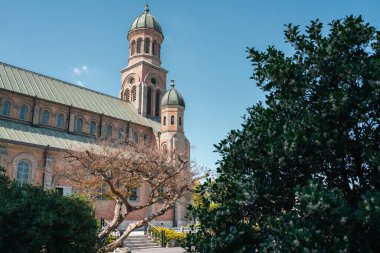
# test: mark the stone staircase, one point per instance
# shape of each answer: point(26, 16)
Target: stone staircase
point(140, 242)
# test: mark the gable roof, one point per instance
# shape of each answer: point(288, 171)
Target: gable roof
point(34, 84)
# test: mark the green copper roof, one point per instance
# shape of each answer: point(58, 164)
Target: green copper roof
point(24, 133)
point(44, 87)
point(172, 97)
point(146, 20)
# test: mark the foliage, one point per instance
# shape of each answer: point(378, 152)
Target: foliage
point(34, 220)
point(323, 221)
point(319, 124)
point(171, 234)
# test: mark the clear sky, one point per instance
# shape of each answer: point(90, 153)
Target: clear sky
point(84, 42)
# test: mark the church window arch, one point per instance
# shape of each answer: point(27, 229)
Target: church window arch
point(92, 127)
point(109, 131)
point(158, 101)
point(149, 101)
point(126, 95)
point(23, 113)
point(139, 45)
point(78, 125)
point(23, 172)
point(154, 47)
point(6, 109)
point(133, 48)
point(136, 137)
point(45, 117)
point(180, 121)
point(120, 134)
point(164, 121)
point(147, 45)
point(172, 120)
point(59, 120)
point(133, 93)
point(146, 139)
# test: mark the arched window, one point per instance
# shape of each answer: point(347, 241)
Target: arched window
point(126, 95)
point(164, 121)
point(59, 121)
point(158, 101)
point(120, 134)
point(149, 101)
point(79, 125)
point(147, 45)
point(133, 48)
point(146, 139)
point(136, 137)
point(23, 171)
point(23, 112)
point(154, 47)
point(180, 121)
point(92, 127)
point(164, 147)
point(6, 110)
point(45, 118)
point(172, 120)
point(133, 93)
point(139, 44)
point(109, 131)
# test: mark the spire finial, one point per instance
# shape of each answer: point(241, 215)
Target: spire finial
point(172, 84)
point(146, 10)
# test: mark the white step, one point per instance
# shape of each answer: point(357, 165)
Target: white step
point(140, 242)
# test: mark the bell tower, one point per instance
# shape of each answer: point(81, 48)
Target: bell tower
point(143, 81)
point(172, 111)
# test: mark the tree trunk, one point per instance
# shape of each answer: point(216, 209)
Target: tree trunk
point(116, 221)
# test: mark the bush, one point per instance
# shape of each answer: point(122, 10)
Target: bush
point(171, 234)
point(34, 220)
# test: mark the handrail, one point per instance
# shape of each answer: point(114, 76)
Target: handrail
point(152, 226)
point(156, 234)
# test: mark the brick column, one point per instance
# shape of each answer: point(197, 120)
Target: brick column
point(36, 113)
point(3, 157)
point(48, 178)
point(72, 122)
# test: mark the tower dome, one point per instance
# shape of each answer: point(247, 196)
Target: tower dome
point(172, 97)
point(146, 20)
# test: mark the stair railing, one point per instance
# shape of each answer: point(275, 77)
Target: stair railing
point(158, 236)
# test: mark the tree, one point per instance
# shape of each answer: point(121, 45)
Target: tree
point(317, 133)
point(113, 170)
point(34, 220)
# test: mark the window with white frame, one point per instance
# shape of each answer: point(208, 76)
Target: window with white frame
point(64, 190)
point(23, 171)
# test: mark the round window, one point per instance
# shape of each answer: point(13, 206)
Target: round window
point(153, 81)
point(132, 80)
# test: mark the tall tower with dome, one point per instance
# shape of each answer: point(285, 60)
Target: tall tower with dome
point(143, 84)
point(144, 80)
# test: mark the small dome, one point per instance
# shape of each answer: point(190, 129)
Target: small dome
point(146, 20)
point(172, 97)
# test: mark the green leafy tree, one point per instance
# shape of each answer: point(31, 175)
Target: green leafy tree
point(314, 144)
point(34, 220)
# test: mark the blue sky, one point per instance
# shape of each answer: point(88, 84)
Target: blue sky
point(84, 42)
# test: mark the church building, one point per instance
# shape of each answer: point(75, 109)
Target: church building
point(41, 116)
